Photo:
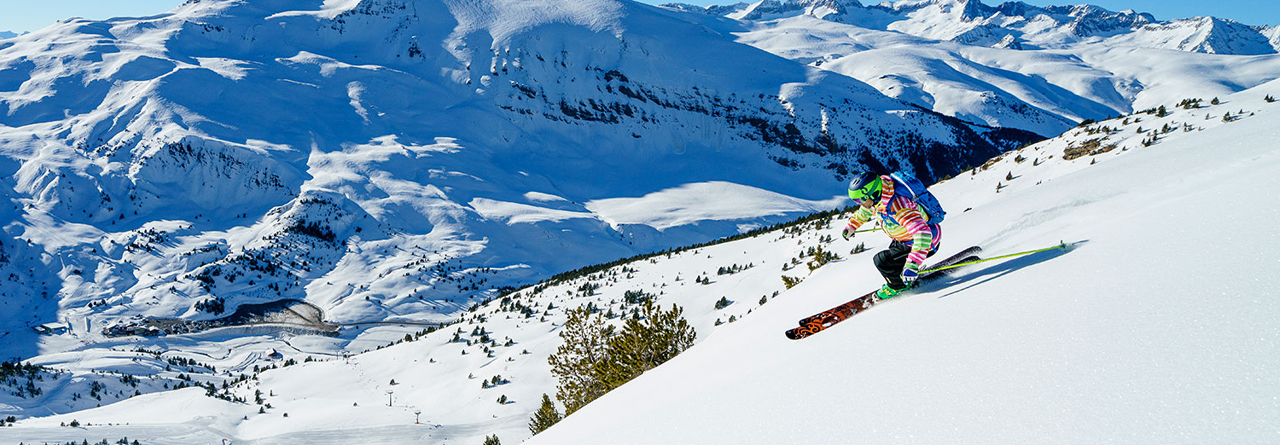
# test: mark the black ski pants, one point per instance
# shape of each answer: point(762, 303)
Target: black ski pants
point(890, 262)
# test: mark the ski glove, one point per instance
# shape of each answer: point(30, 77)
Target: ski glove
point(849, 231)
point(909, 277)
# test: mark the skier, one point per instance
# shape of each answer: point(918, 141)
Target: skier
point(914, 239)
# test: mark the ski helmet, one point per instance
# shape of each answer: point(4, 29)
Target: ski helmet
point(864, 186)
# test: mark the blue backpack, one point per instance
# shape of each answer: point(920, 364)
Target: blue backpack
point(905, 184)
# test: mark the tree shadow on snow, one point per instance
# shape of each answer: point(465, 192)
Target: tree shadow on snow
point(977, 274)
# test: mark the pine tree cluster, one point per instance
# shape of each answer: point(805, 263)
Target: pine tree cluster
point(820, 257)
point(596, 358)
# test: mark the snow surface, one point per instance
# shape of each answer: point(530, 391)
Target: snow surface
point(1156, 326)
point(698, 202)
point(391, 164)
point(150, 155)
point(1043, 90)
point(1152, 328)
point(192, 120)
point(146, 155)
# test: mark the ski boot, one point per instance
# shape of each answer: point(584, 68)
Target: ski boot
point(886, 292)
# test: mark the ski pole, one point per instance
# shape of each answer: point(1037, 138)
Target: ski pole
point(1061, 245)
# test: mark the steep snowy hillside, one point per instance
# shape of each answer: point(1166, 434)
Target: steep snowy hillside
point(393, 159)
point(1015, 65)
point(1020, 350)
point(1148, 330)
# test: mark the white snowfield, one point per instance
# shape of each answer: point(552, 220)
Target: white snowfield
point(392, 159)
point(1062, 86)
point(154, 163)
point(1057, 80)
point(1156, 326)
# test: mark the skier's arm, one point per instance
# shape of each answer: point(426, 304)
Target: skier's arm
point(860, 217)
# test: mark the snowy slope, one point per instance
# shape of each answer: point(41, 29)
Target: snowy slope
point(1203, 35)
point(371, 169)
point(1013, 65)
point(396, 159)
point(1152, 328)
point(394, 163)
point(973, 22)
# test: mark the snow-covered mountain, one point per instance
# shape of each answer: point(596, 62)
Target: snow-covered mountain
point(401, 159)
point(1016, 24)
point(1145, 330)
point(330, 180)
point(7, 34)
point(1014, 65)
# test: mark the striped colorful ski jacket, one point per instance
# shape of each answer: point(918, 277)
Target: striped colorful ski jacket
point(902, 220)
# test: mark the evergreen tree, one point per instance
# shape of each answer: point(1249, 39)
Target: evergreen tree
point(645, 343)
point(593, 360)
point(544, 417)
point(575, 362)
point(790, 282)
point(492, 440)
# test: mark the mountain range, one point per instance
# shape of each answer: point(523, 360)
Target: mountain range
point(381, 167)
point(1013, 350)
point(1037, 69)
point(1018, 25)
point(400, 158)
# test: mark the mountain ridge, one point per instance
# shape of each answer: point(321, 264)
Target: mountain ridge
point(379, 158)
point(1053, 326)
point(1014, 65)
point(975, 23)
point(406, 165)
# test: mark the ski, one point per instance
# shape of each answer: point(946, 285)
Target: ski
point(963, 255)
point(826, 319)
point(816, 323)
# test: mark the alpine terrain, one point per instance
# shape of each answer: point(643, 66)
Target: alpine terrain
point(337, 221)
point(1040, 69)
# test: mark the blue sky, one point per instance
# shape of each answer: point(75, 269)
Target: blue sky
point(30, 15)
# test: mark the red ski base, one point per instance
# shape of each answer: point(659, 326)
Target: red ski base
point(816, 323)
